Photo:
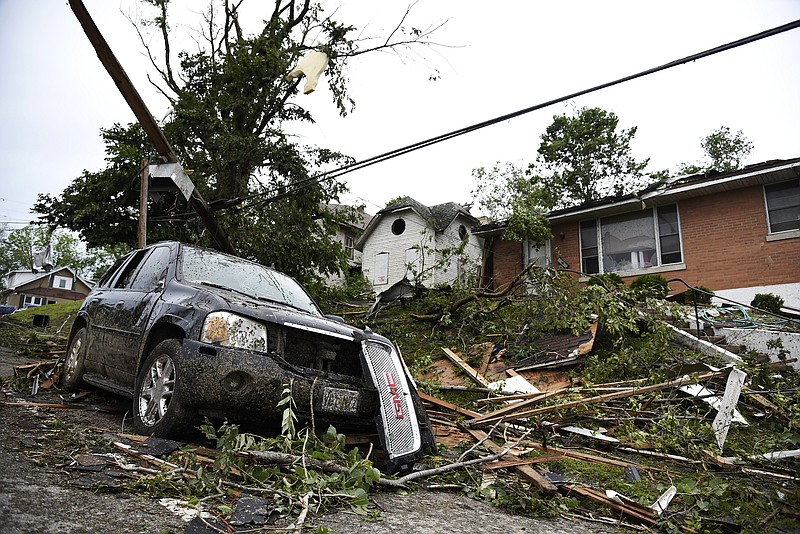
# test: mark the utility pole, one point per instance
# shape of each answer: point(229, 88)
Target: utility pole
point(144, 175)
point(148, 123)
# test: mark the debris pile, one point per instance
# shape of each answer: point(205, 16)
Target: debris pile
point(643, 435)
point(676, 452)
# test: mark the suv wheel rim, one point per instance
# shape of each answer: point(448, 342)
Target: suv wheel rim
point(157, 389)
point(72, 358)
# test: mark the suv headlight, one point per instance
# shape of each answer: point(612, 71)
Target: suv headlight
point(234, 331)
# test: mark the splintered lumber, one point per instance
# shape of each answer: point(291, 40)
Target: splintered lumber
point(585, 457)
point(639, 512)
point(502, 464)
point(493, 417)
point(467, 368)
point(530, 399)
point(526, 471)
point(448, 405)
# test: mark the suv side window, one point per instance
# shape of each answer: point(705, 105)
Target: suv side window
point(153, 270)
point(128, 271)
point(105, 281)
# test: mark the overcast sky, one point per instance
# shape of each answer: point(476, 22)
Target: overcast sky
point(506, 55)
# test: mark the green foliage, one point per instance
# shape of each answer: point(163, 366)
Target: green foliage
point(230, 102)
point(289, 483)
point(650, 285)
point(584, 158)
point(610, 281)
point(289, 417)
point(18, 247)
point(725, 150)
point(507, 193)
point(767, 302)
point(702, 295)
point(354, 286)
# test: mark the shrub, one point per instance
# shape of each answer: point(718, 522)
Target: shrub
point(767, 302)
point(703, 296)
point(651, 285)
point(610, 281)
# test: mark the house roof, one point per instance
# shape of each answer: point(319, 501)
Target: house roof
point(672, 190)
point(362, 218)
point(39, 276)
point(668, 191)
point(439, 216)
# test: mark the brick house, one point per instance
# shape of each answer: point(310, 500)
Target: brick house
point(736, 233)
point(407, 239)
point(26, 289)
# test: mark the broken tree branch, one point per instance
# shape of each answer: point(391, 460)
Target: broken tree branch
point(454, 306)
point(582, 403)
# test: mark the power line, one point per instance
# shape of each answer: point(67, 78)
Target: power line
point(277, 194)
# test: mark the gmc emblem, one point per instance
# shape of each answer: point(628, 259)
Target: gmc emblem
point(395, 391)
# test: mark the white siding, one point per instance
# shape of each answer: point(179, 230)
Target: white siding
point(416, 234)
point(450, 238)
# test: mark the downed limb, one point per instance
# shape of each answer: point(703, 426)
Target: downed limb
point(454, 306)
point(281, 458)
point(505, 415)
point(526, 471)
point(45, 405)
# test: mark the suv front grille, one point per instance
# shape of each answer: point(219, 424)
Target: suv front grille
point(400, 425)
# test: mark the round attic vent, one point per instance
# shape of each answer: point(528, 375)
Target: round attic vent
point(398, 227)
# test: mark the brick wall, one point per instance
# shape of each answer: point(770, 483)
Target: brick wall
point(506, 262)
point(724, 245)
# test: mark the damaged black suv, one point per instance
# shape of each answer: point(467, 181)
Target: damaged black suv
point(189, 332)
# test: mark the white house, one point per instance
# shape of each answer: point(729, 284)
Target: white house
point(426, 245)
point(347, 233)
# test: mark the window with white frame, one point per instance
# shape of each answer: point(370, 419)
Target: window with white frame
point(30, 301)
point(381, 274)
point(783, 206)
point(632, 241)
point(537, 254)
point(62, 282)
point(349, 246)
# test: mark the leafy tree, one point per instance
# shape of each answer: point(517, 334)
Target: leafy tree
point(506, 192)
point(231, 102)
point(585, 158)
point(580, 159)
point(726, 150)
point(19, 246)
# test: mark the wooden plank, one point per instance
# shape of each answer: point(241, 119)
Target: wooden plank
point(590, 458)
point(495, 416)
point(503, 464)
point(641, 513)
point(467, 368)
point(450, 406)
point(526, 471)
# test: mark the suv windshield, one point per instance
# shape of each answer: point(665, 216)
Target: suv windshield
point(215, 269)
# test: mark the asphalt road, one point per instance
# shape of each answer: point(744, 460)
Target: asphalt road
point(42, 494)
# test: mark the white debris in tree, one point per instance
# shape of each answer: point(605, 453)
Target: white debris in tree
point(311, 66)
